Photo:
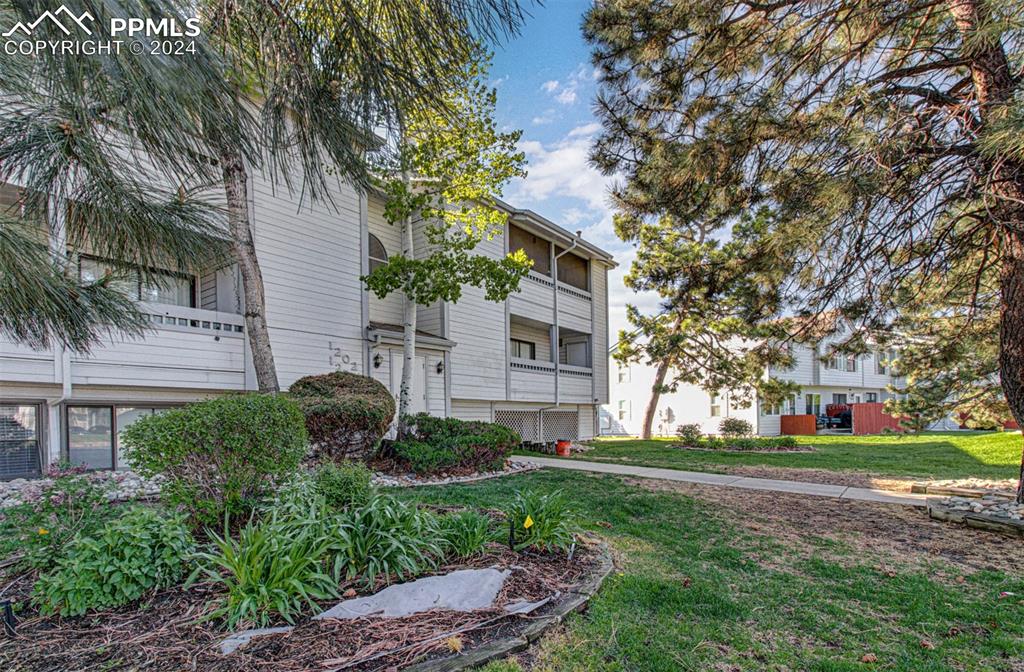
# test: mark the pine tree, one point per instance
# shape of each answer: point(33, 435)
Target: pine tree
point(887, 137)
point(713, 327)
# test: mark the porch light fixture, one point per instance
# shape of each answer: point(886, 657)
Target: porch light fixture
point(440, 366)
point(377, 359)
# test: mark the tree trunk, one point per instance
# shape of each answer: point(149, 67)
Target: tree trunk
point(408, 335)
point(652, 403)
point(1011, 334)
point(993, 87)
point(237, 192)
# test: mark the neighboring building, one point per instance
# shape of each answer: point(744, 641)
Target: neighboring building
point(535, 362)
point(839, 380)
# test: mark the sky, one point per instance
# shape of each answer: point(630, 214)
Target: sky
point(546, 86)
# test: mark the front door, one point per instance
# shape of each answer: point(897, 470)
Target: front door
point(418, 394)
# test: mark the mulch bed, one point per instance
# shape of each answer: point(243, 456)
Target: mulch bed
point(163, 634)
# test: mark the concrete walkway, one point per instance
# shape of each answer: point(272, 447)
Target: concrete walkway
point(795, 487)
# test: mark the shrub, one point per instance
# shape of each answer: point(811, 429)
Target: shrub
point(219, 456)
point(346, 414)
point(712, 443)
point(436, 444)
point(542, 522)
point(786, 442)
point(137, 552)
point(386, 538)
point(278, 565)
point(465, 534)
point(344, 484)
point(690, 434)
point(733, 427)
point(72, 505)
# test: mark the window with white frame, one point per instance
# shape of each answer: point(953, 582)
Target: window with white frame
point(623, 373)
point(377, 254)
point(623, 409)
point(716, 406)
point(871, 397)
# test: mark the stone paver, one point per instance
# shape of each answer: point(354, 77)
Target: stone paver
point(794, 487)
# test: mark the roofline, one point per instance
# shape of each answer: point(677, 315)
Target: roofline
point(556, 230)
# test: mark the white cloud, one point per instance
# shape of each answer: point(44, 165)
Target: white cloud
point(550, 86)
point(573, 216)
point(561, 169)
point(544, 118)
point(566, 96)
point(586, 130)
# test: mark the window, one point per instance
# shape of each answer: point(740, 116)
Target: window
point(812, 404)
point(19, 440)
point(524, 349)
point(838, 398)
point(851, 362)
point(176, 289)
point(623, 409)
point(786, 407)
point(623, 374)
point(377, 254)
point(716, 406)
point(871, 397)
point(93, 434)
point(881, 364)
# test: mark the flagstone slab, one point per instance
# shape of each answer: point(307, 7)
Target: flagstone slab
point(461, 590)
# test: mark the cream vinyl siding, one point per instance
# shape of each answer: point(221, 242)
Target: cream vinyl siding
point(389, 309)
point(599, 339)
point(541, 338)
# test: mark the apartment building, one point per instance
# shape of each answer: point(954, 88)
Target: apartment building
point(839, 379)
point(535, 362)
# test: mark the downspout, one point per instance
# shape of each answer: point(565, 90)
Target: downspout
point(554, 274)
point(59, 253)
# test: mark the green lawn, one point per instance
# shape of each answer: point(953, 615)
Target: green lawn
point(695, 592)
point(939, 455)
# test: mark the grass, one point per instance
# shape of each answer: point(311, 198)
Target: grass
point(696, 593)
point(939, 455)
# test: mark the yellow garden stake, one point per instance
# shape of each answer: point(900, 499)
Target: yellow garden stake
point(528, 523)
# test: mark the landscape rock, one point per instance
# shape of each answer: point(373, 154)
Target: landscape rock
point(461, 590)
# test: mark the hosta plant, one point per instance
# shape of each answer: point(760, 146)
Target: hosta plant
point(130, 555)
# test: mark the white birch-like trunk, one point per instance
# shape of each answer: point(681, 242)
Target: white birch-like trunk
point(408, 330)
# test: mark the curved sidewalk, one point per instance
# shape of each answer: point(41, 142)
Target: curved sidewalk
point(795, 487)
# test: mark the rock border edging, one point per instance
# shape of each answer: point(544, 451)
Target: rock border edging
point(571, 601)
point(940, 511)
point(388, 481)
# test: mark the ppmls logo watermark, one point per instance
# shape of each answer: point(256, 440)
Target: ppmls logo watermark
point(163, 36)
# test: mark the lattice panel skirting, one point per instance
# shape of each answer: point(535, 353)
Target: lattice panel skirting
point(527, 423)
point(561, 425)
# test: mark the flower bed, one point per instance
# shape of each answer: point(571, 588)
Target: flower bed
point(754, 444)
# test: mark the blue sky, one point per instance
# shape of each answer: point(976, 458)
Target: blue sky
point(546, 86)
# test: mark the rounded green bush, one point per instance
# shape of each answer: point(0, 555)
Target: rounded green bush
point(735, 427)
point(346, 414)
point(219, 456)
point(345, 484)
point(436, 444)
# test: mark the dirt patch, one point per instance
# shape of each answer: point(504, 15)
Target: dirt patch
point(848, 478)
point(892, 533)
point(164, 634)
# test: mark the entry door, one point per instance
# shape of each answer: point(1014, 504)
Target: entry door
point(418, 394)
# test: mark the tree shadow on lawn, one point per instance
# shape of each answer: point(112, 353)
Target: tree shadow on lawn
point(723, 579)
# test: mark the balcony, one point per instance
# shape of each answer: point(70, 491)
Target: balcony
point(534, 380)
point(536, 299)
point(187, 348)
